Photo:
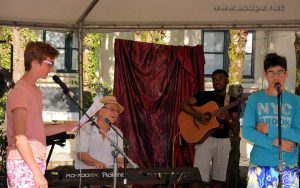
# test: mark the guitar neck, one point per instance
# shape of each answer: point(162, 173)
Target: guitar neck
point(227, 107)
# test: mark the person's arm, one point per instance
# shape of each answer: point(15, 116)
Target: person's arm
point(256, 132)
point(231, 120)
point(249, 125)
point(90, 161)
point(286, 144)
point(22, 144)
point(186, 106)
point(83, 146)
point(59, 128)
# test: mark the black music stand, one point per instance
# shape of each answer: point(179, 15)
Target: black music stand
point(59, 139)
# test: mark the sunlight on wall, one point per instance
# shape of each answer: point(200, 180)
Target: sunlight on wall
point(167, 37)
point(106, 43)
point(111, 73)
point(186, 40)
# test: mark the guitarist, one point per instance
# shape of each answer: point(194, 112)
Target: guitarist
point(215, 149)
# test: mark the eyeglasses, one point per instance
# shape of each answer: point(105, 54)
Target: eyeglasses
point(111, 109)
point(278, 73)
point(50, 63)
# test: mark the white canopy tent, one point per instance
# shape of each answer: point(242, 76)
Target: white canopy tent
point(118, 15)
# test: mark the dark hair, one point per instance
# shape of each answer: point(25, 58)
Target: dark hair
point(272, 60)
point(38, 51)
point(219, 71)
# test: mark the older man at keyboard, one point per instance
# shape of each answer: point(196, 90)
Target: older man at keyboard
point(94, 150)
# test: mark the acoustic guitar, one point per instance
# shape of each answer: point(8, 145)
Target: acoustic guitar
point(193, 131)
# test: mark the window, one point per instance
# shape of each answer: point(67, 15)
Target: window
point(216, 45)
point(55, 105)
point(248, 68)
point(67, 45)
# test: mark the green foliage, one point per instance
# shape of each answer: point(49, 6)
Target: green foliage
point(92, 43)
point(236, 51)
point(2, 108)
point(103, 88)
point(3, 144)
point(5, 51)
point(5, 33)
point(156, 37)
point(27, 35)
point(92, 84)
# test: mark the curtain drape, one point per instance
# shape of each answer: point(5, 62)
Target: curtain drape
point(150, 81)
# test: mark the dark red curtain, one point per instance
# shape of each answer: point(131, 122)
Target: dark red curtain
point(151, 81)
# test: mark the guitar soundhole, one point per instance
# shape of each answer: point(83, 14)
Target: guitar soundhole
point(207, 117)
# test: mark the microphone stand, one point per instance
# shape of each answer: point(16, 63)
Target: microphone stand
point(125, 148)
point(117, 148)
point(280, 161)
point(115, 154)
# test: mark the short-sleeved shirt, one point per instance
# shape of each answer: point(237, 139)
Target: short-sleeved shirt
point(207, 96)
point(29, 97)
point(91, 141)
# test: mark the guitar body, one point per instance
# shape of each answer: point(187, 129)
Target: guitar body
point(194, 132)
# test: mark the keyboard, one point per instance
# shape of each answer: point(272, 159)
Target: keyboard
point(85, 177)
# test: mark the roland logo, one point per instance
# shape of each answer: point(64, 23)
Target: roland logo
point(111, 175)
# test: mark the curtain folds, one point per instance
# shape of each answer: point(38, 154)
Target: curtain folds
point(150, 81)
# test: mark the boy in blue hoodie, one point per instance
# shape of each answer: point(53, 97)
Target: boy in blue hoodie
point(260, 126)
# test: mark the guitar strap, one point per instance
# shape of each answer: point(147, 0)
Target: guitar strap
point(226, 100)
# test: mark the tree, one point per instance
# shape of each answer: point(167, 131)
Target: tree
point(91, 81)
point(238, 40)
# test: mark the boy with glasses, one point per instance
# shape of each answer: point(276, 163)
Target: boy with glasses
point(260, 126)
point(26, 132)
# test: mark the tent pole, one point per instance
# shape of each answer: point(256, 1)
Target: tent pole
point(80, 36)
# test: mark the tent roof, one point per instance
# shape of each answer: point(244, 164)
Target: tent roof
point(155, 14)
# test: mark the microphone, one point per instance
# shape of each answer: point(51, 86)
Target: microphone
point(125, 141)
point(66, 90)
point(278, 87)
point(106, 120)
